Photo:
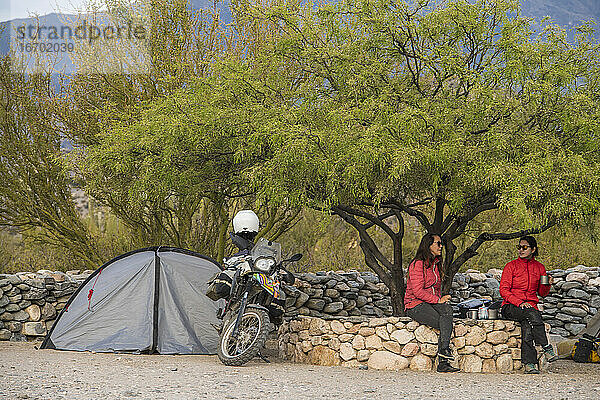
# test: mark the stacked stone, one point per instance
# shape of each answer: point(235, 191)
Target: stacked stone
point(394, 343)
point(29, 302)
point(338, 294)
point(573, 300)
point(474, 284)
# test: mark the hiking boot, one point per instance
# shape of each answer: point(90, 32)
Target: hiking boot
point(549, 353)
point(445, 354)
point(531, 369)
point(444, 366)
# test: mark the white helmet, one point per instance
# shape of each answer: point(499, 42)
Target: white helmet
point(245, 221)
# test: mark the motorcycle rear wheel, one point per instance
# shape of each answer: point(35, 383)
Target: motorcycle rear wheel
point(252, 334)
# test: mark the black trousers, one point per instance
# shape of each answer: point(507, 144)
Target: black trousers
point(438, 316)
point(532, 329)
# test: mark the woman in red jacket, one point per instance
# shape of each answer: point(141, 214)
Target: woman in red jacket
point(519, 287)
point(423, 299)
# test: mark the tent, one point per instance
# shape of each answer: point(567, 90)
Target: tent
point(149, 300)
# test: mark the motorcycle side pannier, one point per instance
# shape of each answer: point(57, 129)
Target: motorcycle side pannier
point(219, 286)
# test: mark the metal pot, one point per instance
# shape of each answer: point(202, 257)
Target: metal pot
point(493, 313)
point(472, 314)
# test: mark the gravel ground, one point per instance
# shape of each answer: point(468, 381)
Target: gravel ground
point(27, 373)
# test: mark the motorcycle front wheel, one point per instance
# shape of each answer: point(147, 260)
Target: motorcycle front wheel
point(251, 337)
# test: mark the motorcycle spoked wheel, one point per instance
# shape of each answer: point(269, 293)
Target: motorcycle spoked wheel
point(252, 334)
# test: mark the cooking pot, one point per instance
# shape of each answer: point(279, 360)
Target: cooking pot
point(493, 313)
point(472, 314)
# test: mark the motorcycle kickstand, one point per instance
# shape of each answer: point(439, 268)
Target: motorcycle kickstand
point(265, 359)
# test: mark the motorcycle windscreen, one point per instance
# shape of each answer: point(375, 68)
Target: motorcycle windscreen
point(118, 314)
point(185, 314)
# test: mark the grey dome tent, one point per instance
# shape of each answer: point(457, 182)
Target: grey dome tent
point(149, 300)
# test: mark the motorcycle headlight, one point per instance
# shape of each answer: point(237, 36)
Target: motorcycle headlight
point(264, 264)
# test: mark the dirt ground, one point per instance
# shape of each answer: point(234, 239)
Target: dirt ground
point(27, 373)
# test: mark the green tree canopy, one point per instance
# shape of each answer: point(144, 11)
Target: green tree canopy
point(165, 150)
point(439, 112)
point(35, 196)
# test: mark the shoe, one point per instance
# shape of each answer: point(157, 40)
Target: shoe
point(531, 369)
point(445, 354)
point(549, 352)
point(444, 366)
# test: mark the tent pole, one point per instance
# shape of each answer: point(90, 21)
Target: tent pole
point(156, 298)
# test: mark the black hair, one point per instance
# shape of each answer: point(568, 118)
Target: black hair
point(423, 252)
point(531, 242)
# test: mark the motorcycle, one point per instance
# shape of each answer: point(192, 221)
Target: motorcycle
point(255, 300)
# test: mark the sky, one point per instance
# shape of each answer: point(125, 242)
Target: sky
point(11, 9)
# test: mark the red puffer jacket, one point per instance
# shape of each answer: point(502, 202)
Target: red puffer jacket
point(521, 281)
point(422, 284)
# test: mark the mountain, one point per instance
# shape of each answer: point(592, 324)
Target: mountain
point(568, 13)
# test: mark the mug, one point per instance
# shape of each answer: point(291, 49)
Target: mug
point(472, 314)
point(544, 280)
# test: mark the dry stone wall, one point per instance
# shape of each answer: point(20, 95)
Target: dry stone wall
point(573, 300)
point(30, 302)
point(393, 343)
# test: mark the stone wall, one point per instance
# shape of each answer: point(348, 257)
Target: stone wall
point(30, 302)
point(394, 343)
point(573, 300)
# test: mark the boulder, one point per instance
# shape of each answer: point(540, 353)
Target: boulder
point(375, 322)
point(489, 366)
point(34, 312)
point(373, 342)
point(317, 326)
point(578, 312)
point(471, 363)
point(385, 360)
point(594, 282)
point(475, 336)
point(382, 332)
point(5, 334)
point(425, 334)
point(484, 350)
point(392, 346)
point(337, 327)
point(34, 329)
point(366, 331)
point(347, 353)
point(580, 277)
point(410, 350)
point(14, 326)
point(497, 337)
point(429, 349)
point(421, 362)
point(402, 336)
point(315, 304)
point(302, 298)
point(322, 355)
point(35, 294)
point(333, 307)
point(363, 355)
point(358, 342)
point(504, 363)
point(334, 344)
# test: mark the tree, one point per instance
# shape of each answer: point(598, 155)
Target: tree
point(434, 112)
point(35, 196)
point(162, 150)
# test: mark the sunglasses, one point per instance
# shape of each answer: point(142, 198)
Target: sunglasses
point(439, 243)
point(522, 247)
